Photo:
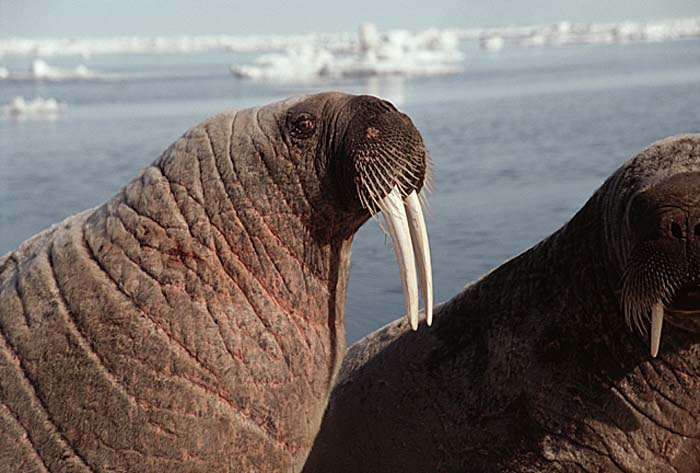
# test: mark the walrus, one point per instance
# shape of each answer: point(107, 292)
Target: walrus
point(194, 323)
point(581, 354)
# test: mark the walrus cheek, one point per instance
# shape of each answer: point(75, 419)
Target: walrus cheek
point(406, 226)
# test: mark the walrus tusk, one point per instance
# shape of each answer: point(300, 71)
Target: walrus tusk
point(421, 248)
point(657, 321)
point(392, 207)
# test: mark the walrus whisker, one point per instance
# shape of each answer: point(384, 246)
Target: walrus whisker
point(645, 293)
point(374, 191)
point(373, 167)
point(368, 186)
point(404, 167)
point(381, 175)
point(375, 207)
point(361, 196)
point(389, 186)
point(428, 178)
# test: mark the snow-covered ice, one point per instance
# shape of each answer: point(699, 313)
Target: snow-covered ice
point(40, 70)
point(566, 33)
point(38, 108)
point(91, 46)
point(492, 42)
point(560, 34)
point(298, 63)
point(396, 52)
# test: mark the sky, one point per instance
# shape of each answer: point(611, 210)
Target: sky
point(31, 18)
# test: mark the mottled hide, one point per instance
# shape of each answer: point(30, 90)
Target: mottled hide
point(193, 323)
point(546, 364)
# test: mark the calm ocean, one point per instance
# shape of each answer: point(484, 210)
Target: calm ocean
point(519, 141)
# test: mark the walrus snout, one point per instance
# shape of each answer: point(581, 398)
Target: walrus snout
point(382, 149)
point(663, 273)
point(388, 164)
point(368, 157)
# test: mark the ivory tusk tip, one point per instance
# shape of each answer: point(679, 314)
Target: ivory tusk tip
point(657, 320)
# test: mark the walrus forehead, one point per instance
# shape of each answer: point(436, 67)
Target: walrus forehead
point(658, 162)
point(661, 160)
point(313, 101)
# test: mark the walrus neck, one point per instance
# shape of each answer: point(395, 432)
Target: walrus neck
point(223, 211)
point(261, 203)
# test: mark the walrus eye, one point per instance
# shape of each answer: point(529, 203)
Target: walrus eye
point(303, 126)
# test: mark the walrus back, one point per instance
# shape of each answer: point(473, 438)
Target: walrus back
point(34, 343)
point(124, 345)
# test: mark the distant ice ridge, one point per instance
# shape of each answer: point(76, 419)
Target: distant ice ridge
point(375, 54)
point(87, 47)
point(40, 70)
point(563, 33)
point(566, 33)
point(38, 108)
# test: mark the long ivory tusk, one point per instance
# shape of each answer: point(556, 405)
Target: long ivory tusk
point(421, 248)
point(392, 207)
point(657, 321)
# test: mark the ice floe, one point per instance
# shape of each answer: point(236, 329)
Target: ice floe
point(492, 42)
point(560, 34)
point(374, 53)
point(90, 46)
point(40, 70)
point(298, 63)
point(566, 33)
point(37, 108)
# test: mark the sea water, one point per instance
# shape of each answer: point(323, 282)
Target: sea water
point(519, 140)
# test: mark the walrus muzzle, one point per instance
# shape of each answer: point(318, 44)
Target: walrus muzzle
point(662, 276)
point(387, 162)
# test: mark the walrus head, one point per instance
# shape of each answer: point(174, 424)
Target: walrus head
point(660, 254)
point(351, 157)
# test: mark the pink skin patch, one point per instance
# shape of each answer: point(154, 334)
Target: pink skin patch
point(372, 132)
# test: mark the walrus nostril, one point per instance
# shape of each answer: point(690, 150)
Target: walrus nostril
point(677, 232)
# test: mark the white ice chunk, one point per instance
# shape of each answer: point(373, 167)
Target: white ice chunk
point(394, 53)
point(41, 70)
point(38, 108)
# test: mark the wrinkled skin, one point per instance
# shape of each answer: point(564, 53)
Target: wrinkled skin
point(533, 368)
point(194, 323)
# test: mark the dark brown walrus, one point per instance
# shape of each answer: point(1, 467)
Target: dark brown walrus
point(551, 362)
point(194, 323)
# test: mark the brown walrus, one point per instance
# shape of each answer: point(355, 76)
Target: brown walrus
point(194, 323)
point(581, 354)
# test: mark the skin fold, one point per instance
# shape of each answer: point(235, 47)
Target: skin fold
point(194, 323)
point(544, 364)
